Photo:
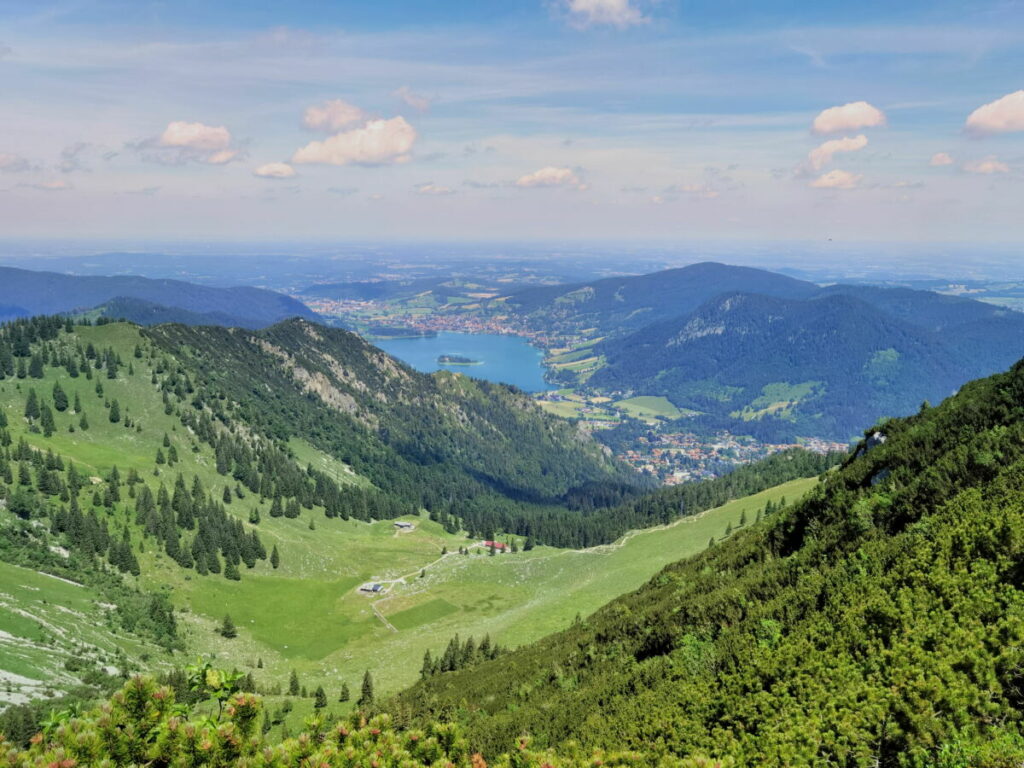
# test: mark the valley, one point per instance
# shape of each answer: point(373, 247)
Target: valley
point(296, 605)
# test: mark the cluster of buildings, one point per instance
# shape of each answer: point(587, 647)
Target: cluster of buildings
point(680, 457)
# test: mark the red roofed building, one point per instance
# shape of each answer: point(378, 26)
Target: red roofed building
point(495, 544)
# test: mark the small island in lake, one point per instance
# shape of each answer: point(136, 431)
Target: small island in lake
point(457, 360)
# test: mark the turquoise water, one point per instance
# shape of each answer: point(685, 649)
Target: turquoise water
point(508, 359)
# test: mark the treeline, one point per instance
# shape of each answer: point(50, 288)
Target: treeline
point(561, 527)
point(460, 655)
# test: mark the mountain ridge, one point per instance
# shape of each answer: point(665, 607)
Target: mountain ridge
point(48, 293)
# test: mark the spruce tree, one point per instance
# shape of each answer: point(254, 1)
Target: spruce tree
point(293, 684)
point(32, 406)
point(46, 420)
point(320, 698)
point(366, 694)
point(115, 412)
point(227, 628)
point(275, 559)
point(60, 398)
point(344, 695)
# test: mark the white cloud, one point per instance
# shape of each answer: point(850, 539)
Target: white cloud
point(837, 179)
point(13, 163)
point(987, 166)
point(848, 117)
point(377, 143)
point(411, 98)
point(822, 155)
point(208, 138)
point(182, 142)
point(550, 176)
point(222, 157)
point(434, 189)
point(274, 171)
point(614, 13)
point(1005, 115)
point(940, 158)
point(333, 116)
point(57, 185)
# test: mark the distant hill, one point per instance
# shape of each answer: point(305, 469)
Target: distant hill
point(822, 366)
point(53, 293)
point(618, 304)
point(149, 313)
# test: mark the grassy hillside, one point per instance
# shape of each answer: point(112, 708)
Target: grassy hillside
point(876, 623)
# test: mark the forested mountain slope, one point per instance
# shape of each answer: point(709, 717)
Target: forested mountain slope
point(879, 622)
point(824, 366)
point(620, 304)
point(44, 293)
point(456, 446)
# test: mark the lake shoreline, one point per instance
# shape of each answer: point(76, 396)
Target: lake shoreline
point(502, 358)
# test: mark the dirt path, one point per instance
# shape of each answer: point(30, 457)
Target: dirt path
point(390, 583)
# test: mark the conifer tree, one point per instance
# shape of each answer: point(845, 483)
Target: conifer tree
point(293, 684)
point(344, 695)
point(32, 406)
point(366, 694)
point(319, 698)
point(227, 628)
point(60, 398)
point(115, 412)
point(275, 558)
point(46, 420)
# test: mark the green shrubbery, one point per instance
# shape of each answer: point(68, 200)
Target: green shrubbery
point(143, 724)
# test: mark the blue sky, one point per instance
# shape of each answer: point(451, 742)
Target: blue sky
point(627, 119)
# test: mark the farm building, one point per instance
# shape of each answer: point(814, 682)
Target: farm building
point(404, 526)
point(496, 544)
point(372, 588)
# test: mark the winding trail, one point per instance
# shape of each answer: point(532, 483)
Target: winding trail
point(389, 583)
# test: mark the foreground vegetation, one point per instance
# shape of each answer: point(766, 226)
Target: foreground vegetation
point(144, 724)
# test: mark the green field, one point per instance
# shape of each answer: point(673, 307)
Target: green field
point(777, 399)
point(646, 407)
